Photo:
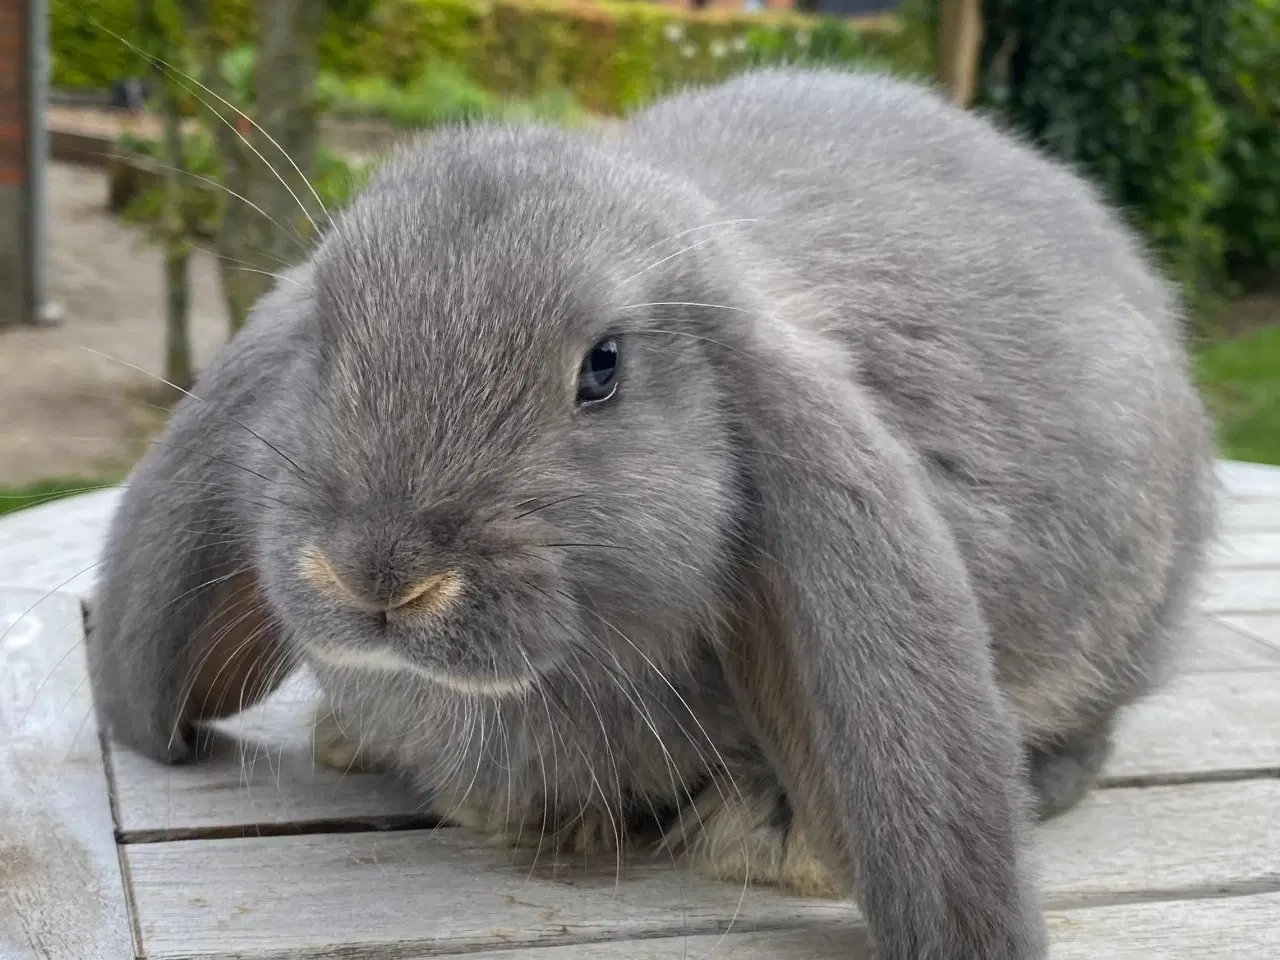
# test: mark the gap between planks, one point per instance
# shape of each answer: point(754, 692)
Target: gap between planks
point(415, 895)
point(1216, 726)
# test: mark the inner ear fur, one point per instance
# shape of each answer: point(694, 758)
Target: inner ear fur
point(241, 656)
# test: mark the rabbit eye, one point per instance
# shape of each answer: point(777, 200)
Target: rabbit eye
point(598, 378)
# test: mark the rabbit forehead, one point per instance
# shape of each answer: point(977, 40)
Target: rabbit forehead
point(458, 296)
point(487, 242)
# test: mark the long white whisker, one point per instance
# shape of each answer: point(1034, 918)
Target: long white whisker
point(173, 72)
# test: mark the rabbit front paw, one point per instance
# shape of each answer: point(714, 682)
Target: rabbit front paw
point(594, 832)
point(751, 837)
point(334, 748)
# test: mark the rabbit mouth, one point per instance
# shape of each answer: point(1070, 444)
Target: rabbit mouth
point(382, 660)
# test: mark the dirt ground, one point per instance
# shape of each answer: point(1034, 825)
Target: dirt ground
point(67, 412)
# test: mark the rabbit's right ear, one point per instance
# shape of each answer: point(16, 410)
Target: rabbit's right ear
point(864, 662)
point(179, 630)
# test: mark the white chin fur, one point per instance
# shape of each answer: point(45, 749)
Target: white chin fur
point(384, 661)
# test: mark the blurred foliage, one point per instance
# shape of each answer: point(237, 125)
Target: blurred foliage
point(1248, 87)
point(435, 96)
point(13, 499)
point(335, 179)
point(610, 55)
point(1240, 381)
point(1172, 106)
point(440, 94)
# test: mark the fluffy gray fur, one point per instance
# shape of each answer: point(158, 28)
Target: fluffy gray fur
point(905, 484)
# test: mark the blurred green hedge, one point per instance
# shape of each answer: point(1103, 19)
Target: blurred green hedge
point(1173, 106)
point(610, 55)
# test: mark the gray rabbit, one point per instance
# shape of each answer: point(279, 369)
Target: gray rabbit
point(800, 480)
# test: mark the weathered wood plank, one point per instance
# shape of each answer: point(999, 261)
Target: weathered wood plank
point(260, 777)
point(424, 893)
point(1246, 549)
point(1249, 479)
point(1249, 515)
point(1262, 626)
point(266, 779)
point(61, 892)
point(1243, 591)
point(1203, 724)
point(410, 894)
point(56, 546)
point(1231, 928)
point(1226, 646)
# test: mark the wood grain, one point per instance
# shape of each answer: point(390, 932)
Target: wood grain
point(259, 778)
point(61, 892)
point(1231, 928)
point(263, 779)
point(1250, 515)
point(1206, 724)
point(424, 893)
point(1243, 591)
point(1262, 626)
point(1226, 644)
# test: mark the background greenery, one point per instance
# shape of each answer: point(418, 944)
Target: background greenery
point(1173, 106)
point(610, 55)
point(13, 499)
point(1240, 381)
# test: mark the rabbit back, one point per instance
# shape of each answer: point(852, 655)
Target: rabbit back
point(1009, 328)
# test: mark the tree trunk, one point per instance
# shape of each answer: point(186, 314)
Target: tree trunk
point(173, 225)
point(959, 44)
point(269, 216)
point(177, 353)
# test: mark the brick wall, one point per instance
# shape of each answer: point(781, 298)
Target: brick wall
point(15, 273)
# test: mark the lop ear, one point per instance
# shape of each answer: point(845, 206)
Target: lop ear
point(179, 630)
point(865, 665)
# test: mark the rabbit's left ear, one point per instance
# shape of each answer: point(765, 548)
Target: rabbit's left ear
point(866, 664)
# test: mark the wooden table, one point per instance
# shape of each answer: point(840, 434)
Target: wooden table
point(257, 854)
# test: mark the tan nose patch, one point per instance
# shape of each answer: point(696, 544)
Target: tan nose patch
point(432, 594)
point(429, 595)
point(314, 567)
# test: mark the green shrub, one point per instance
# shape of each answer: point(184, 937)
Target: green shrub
point(334, 178)
point(13, 499)
point(610, 55)
point(1240, 380)
point(93, 43)
point(1172, 106)
point(1248, 86)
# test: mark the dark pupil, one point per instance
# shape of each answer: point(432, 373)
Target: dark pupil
point(598, 378)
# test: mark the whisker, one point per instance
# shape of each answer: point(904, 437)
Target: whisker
point(545, 506)
point(289, 460)
point(174, 73)
point(683, 303)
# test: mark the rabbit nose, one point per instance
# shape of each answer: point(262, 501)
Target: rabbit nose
point(380, 593)
point(431, 593)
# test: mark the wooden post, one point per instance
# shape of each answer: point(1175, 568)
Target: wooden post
point(959, 46)
point(22, 159)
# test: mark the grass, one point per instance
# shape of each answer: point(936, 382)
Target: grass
point(1240, 380)
point(13, 499)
